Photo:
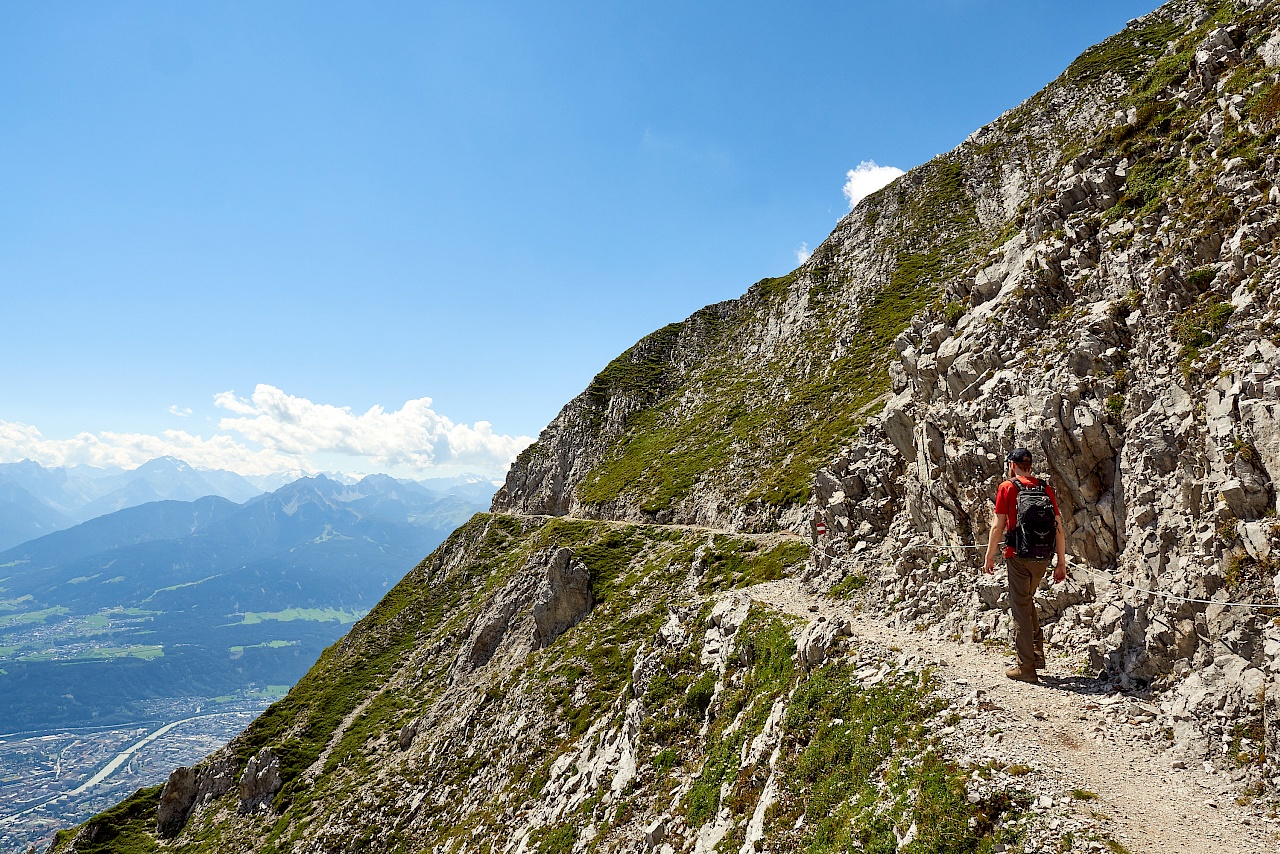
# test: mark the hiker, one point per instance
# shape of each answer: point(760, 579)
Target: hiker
point(1030, 539)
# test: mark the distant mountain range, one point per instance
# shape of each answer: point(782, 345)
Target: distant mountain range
point(35, 501)
point(201, 597)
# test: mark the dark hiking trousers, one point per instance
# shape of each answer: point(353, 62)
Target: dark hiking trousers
point(1024, 578)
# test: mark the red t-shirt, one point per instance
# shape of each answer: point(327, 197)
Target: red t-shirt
point(1007, 504)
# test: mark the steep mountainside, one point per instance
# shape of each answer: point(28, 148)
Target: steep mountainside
point(1093, 276)
point(723, 418)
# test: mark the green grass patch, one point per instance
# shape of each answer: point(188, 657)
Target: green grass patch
point(554, 840)
point(732, 562)
point(102, 653)
point(1201, 324)
point(123, 829)
point(849, 585)
point(28, 618)
point(271, 644)
point(858, 764)
point(774, 289)
point(1125, 53)
point(173, 587)
point(658, 459)
point(641, 373)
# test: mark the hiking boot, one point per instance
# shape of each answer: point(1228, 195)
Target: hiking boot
point(1040, 665)
point(1016, 672)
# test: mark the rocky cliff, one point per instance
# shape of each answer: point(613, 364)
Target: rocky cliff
point(634, 652)
point(1126, 333)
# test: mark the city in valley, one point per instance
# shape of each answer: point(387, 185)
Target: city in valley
point(56, 779)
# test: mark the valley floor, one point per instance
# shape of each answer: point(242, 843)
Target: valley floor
point(57, 778)
point(1090, 752)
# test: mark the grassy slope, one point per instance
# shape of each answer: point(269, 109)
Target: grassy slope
point(756, 429)
point(636, 573)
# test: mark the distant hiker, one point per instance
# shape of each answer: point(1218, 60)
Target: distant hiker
point(1034, 535)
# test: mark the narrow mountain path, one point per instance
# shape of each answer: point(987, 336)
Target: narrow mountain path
point(1068, 729)
point(1061, 728)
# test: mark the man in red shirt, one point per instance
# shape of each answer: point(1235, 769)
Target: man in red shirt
point(1024, 573)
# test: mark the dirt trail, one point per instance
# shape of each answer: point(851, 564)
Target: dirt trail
point(1060, 728)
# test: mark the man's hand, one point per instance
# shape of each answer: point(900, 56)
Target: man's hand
point(1060, 571)
point(998, 524)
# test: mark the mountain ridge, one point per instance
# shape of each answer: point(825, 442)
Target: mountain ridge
point(35, 500)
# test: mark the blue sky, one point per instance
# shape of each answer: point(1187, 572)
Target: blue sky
point(323, 208)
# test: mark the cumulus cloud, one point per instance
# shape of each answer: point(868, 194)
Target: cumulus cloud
point(804, 253)
point(129, 450)
point(414, 436)
point(271, 431)
point(181, 412)
point(866, 179)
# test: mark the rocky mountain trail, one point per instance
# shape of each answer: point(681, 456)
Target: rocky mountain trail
point(1094, 756)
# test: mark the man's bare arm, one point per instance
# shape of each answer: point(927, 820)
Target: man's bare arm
point(1060, 571)
point(998, 523)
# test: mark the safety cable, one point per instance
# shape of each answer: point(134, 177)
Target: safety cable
point(1105, 575)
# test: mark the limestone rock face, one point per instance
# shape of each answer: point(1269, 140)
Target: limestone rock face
point(817, 640)
point(1135, 353)
point(188, 788)
point(176, 799)
point(493, 623)
point(550, 594)
point(407, 734)
point(260, 781)
point(563, 598)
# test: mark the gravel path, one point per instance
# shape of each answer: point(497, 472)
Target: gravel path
point(1074, 736)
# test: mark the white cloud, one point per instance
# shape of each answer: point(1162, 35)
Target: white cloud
point(272, 431)
point(179, 411)
point(412, 437)
point(804, 253)
point(129, 450)
point(866, 179)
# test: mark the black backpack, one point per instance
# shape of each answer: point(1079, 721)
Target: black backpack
point(1034, 533)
